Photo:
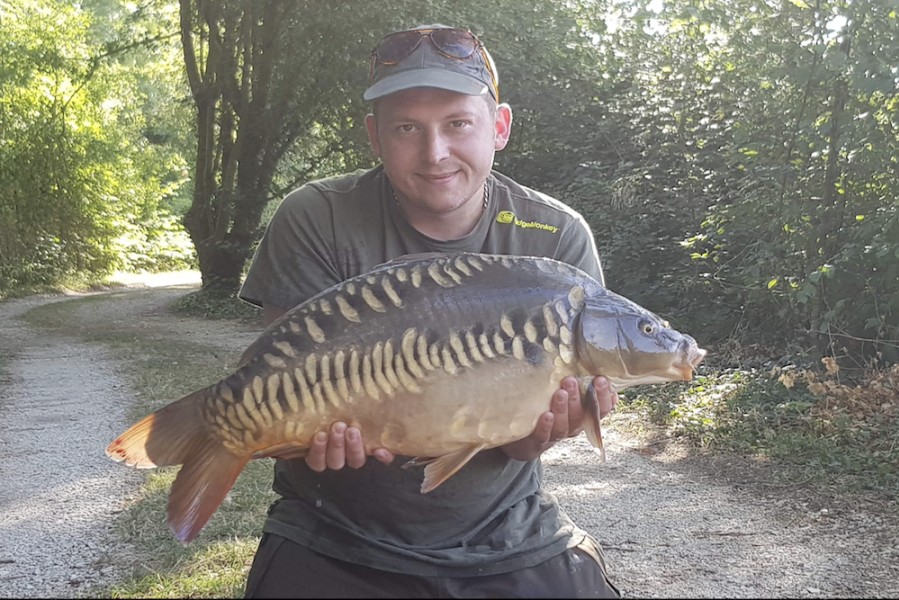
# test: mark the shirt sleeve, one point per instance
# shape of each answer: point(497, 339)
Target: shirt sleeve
point(295, 258)
point(577, 247)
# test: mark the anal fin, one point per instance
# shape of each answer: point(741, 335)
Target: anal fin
point(443, 467)
point(286, 450)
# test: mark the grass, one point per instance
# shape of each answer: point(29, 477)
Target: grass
point(216, 306)
point(214, 565)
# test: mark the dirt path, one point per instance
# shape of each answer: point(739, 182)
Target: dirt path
point(671, 527)
point(59, 492)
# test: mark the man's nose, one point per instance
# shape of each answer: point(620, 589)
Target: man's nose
point(436, 147)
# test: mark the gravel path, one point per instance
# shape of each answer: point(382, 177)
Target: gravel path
point(59, 492)
point(672, 526)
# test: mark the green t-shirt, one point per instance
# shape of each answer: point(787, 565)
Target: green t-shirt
point(493, 515)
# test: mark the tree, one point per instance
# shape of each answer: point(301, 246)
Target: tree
point(735, 160)
point(269, 83)
point(82, 190)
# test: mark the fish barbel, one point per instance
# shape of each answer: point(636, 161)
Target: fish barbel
point(404, 353)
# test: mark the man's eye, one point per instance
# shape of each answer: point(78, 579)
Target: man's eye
point(459, 124)
point(406, 128)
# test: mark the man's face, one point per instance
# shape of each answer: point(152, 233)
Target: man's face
point(437, 146)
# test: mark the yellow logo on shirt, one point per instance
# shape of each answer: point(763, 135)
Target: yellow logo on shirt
point(507, 217)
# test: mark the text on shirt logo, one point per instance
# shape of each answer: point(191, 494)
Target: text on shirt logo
point(507, 217)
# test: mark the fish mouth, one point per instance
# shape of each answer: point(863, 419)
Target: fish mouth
point(694, 356)
point(686, 372)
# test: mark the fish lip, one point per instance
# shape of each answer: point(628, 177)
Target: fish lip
point(696, 356)
point(686, 372)
point(688, 367)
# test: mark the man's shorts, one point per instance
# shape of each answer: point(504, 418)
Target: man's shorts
point(284, 569)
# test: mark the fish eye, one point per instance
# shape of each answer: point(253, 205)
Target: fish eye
point(647, 327)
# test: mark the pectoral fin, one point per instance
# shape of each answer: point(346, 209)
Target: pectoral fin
point(442, 468)
point(591, 423)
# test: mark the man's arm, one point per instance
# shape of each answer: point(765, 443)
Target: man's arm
point(270, 313)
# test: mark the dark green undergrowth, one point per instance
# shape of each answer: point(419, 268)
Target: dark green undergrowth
point(214, 304)
point(846, 434)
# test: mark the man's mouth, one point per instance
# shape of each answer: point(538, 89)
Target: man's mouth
point(438, 177)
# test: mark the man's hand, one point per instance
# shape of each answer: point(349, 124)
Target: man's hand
point(565, 418)
point(341, 447)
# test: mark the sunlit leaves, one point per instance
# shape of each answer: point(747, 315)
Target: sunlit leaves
point(75, 168)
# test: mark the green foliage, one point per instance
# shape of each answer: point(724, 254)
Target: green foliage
point(82, 191)
point(736, 161)
point(834, 432)
point(798, 229)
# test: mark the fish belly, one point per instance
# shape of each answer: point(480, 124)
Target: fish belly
point(492, 405)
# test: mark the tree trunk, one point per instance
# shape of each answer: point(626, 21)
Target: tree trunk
point(230, 79)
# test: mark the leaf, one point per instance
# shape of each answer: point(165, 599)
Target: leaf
point(787, 379)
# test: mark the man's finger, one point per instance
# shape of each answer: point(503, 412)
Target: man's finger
point(559, 408)
point(355, 449)
point(543, 431)
point(605, 394)
point(383, 456)
point(316, 456)
point(336, 453)
point(575, 408)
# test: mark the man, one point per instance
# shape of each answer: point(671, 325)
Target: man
point(354, 526)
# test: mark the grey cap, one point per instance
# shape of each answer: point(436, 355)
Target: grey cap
point(427, 67)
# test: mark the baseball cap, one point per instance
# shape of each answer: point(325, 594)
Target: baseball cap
point(450, 59)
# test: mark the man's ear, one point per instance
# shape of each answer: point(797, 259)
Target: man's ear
point(371, 125)
point(503, 126)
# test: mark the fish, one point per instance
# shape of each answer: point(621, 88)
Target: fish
point(404, 352)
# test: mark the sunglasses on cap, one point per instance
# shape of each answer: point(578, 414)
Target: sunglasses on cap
point(454, 43)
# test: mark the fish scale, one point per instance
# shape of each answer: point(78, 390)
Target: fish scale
point(405, 352)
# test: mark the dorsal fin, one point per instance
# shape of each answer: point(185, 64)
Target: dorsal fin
point(418, 256)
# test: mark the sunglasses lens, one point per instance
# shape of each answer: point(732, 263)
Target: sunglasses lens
point(457, 43)
point(398, 46)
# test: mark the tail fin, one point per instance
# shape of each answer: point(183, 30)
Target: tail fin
point(201, 487)
point(164, 438)
point(177, 434)
point(591, 424)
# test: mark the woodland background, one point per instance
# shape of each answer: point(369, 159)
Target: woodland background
point(738, 161)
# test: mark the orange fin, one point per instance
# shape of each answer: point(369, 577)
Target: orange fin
point(177, 434)
point(201, 487)
point(418, 461)
point(165, 437)
point(131, 447)
point(442, 468)
point(591, 425)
